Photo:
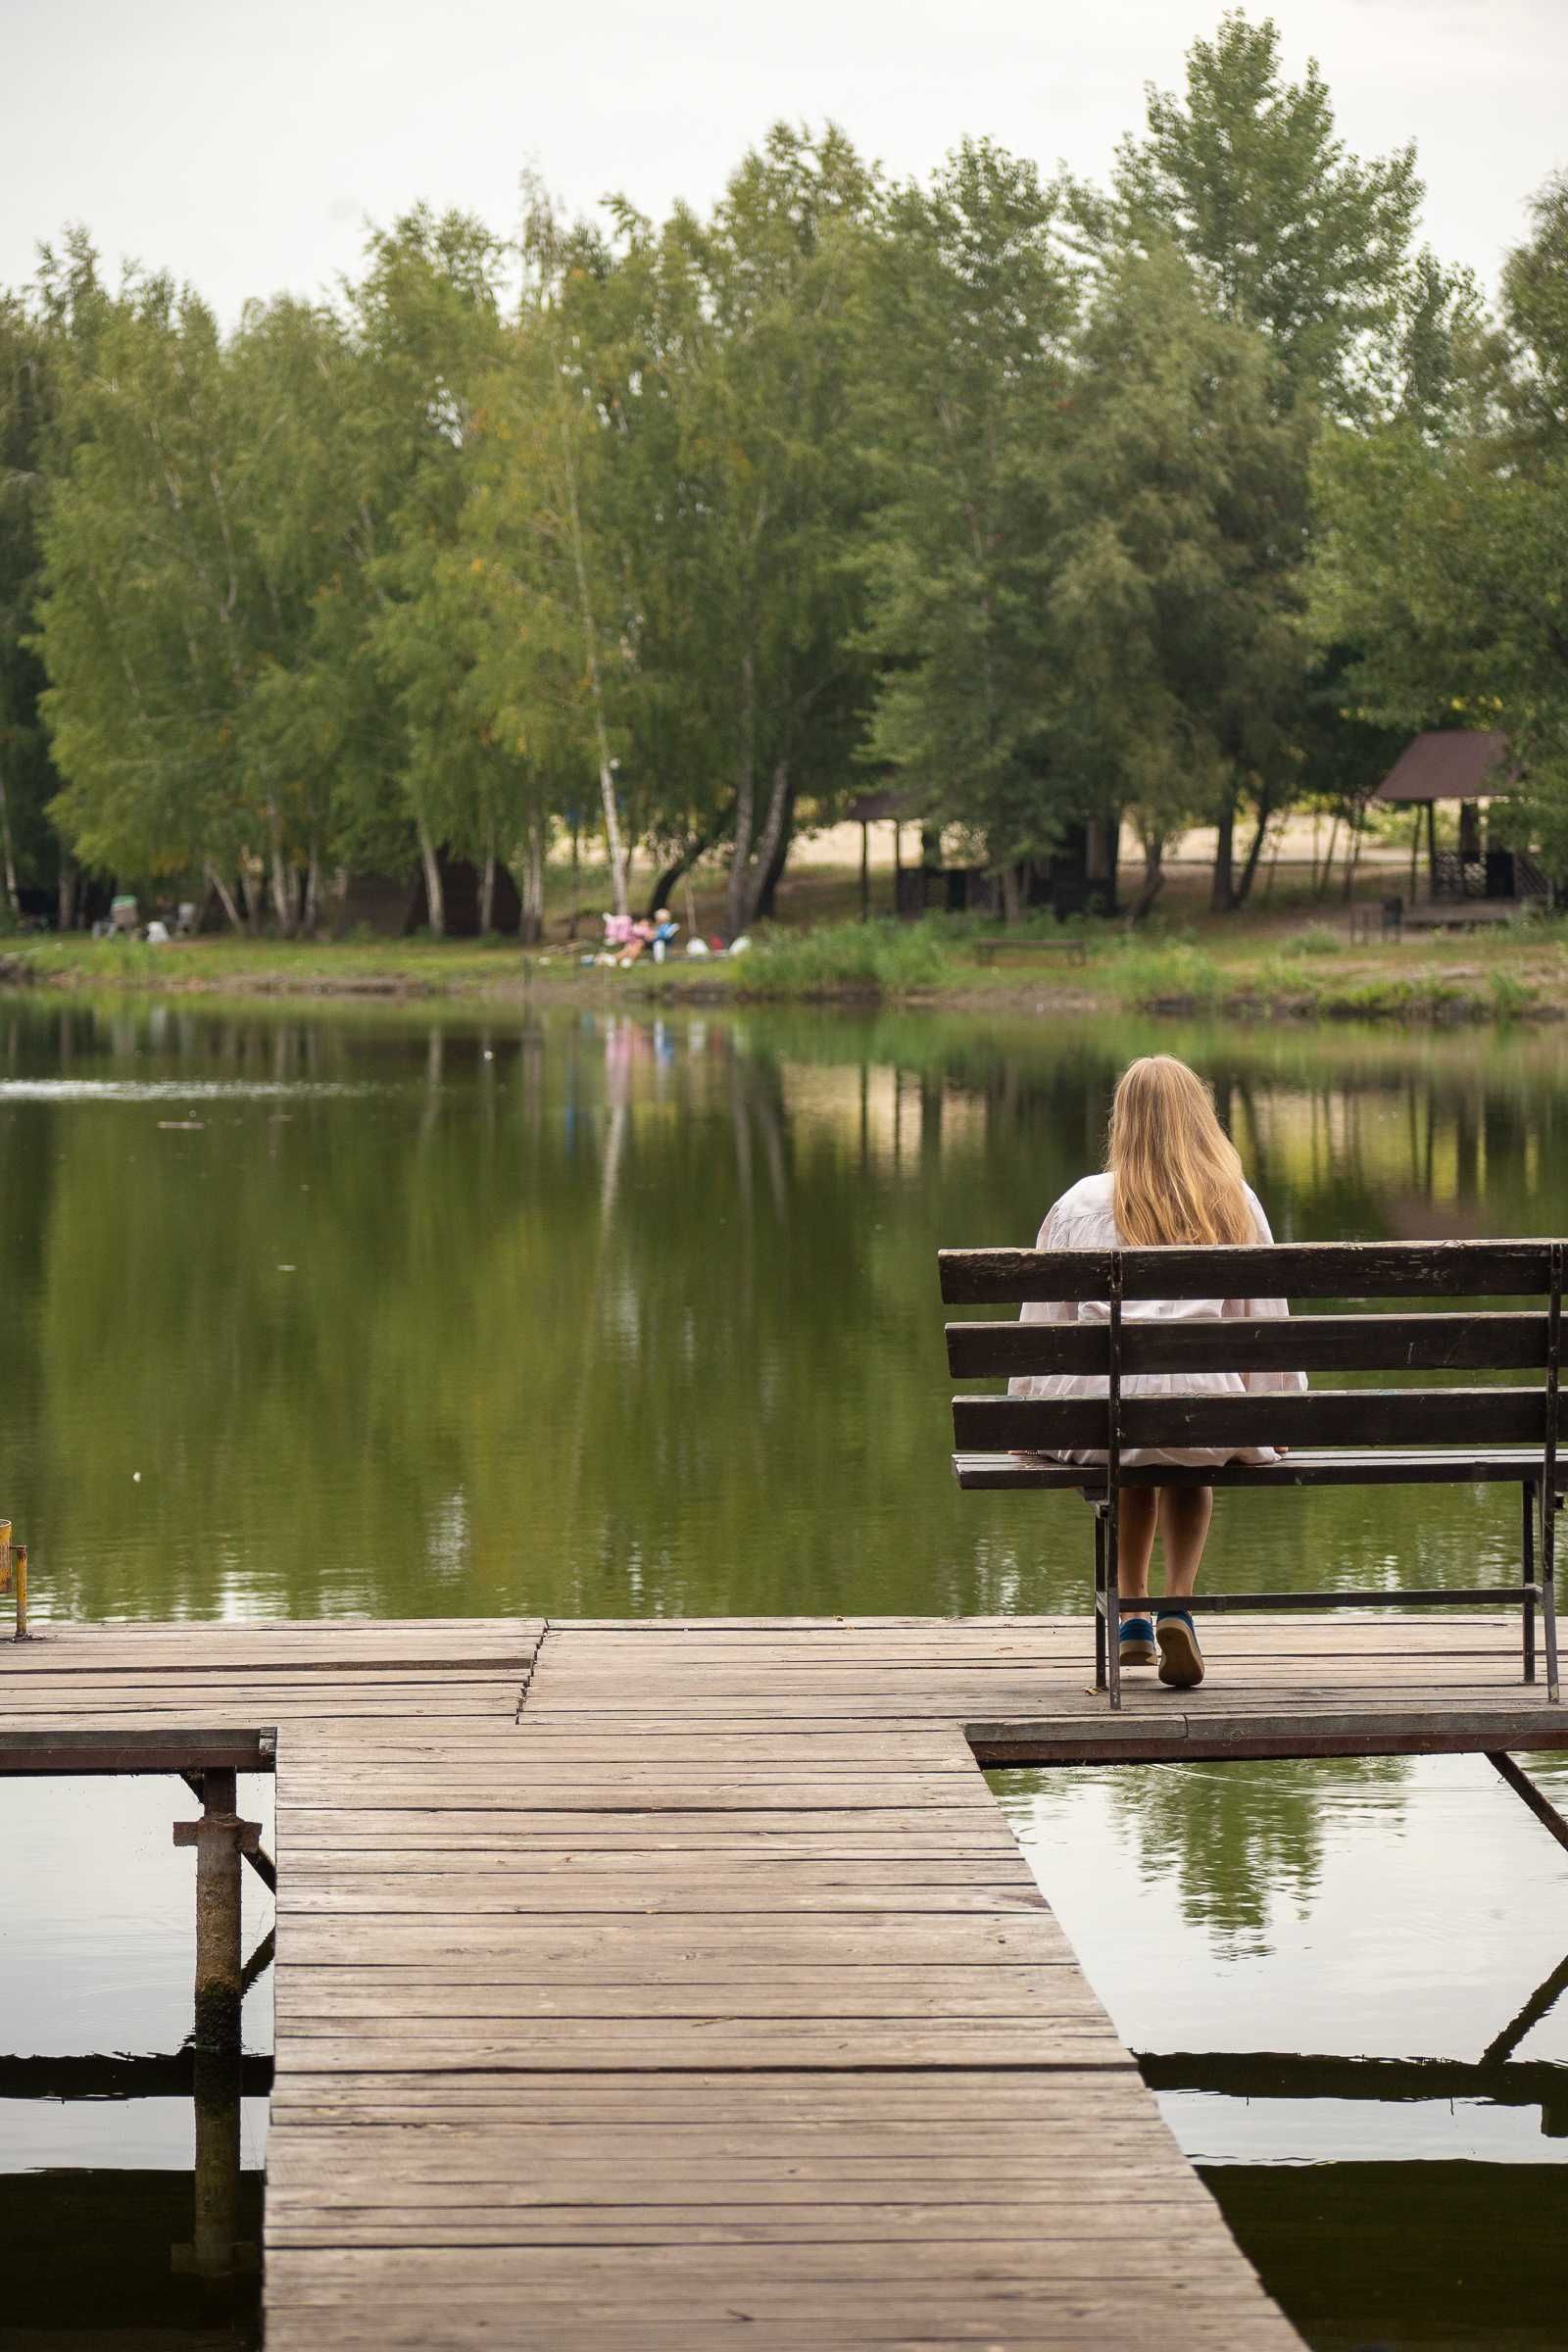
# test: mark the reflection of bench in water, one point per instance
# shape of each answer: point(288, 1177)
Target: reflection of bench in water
point(1406, 1436)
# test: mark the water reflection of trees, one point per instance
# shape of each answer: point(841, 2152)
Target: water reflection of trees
point(604, 1312)
point(607, 1315)
point(1237, 1844)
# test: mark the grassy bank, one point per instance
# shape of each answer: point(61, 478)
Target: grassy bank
point(1277, 964)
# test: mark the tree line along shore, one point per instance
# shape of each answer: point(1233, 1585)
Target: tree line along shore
point(1042, 508)
point(1282, 961)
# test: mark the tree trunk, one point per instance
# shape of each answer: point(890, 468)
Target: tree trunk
point(66, 896)
point(773, 875)
point(1353, 857)
point(750, 878)
point(436, 902)
point(737, 896)
point(1244, 888)
point(1011, 894)
point(8, 860)
point(1222, 895)
point(1273, 860)
point(487, 895)
point(311, 913)
point(619, 885)
point(224, 894)
point(1321, 888)
point(620, 895)
point(533, 894)
point(1154, 881)
point(676, 871)
point(283, 888)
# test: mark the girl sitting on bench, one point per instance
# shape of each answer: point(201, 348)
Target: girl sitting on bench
point(1172, 1176)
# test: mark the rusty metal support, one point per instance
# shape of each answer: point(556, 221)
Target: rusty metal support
point(260, 1860)
point(220, 1838)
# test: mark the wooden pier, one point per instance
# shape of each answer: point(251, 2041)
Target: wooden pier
point(682, 1986)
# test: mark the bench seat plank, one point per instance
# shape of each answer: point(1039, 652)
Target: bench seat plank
point(1326, 1466)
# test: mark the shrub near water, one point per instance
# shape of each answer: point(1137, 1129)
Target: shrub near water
point(1146, 976)
point(1318, 939)
point(880, 958)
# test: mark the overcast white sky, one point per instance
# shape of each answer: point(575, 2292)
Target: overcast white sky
point(243, 147)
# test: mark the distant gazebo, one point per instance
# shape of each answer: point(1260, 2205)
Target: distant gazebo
point(1470, 765)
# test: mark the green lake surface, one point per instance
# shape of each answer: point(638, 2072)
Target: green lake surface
point(589, 1312)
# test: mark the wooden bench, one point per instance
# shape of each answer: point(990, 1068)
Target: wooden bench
point(1404, 1436)
point(1076, 949)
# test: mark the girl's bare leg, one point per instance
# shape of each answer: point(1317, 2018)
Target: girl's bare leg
point(1134, 1539)
point(1184, 1516)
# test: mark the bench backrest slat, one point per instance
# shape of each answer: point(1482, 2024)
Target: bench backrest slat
point(1121, 1354)
point(1389, 1342)
point(1362, 1417)
point(1285, 1270)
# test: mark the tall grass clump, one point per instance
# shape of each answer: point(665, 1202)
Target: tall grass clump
point(1318, 939)
point(870, 959)
point(1510, 997)
point(1147, 977)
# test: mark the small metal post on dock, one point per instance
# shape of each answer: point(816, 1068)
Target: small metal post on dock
point(220, 1838)
point(13, 1576)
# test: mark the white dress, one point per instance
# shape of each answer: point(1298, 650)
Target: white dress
point(1082, 1219)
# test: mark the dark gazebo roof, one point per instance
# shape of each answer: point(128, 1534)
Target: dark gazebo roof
point(1450, 764)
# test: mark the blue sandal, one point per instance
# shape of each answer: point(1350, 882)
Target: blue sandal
point(1137, 1646)
point(1181, 1661)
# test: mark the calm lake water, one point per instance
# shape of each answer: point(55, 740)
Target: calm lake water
point(601, 1315)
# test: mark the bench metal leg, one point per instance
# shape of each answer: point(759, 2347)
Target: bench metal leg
point(1527, 1569)
point(1101, 1612)
point(1113, 1602)
point(1549, 1586)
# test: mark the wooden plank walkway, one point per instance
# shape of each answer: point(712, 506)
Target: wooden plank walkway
point(683, 1986)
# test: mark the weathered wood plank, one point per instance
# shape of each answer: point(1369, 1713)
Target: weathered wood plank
point(715, 1982)
point(1428, 1343)
point(1358, 1417)
point(977, 1470)
point(1281, 1270)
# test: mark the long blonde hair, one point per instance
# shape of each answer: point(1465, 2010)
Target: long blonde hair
point(1176, 1175)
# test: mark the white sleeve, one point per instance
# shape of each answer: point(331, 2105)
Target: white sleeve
point(1264, 1383)
point(1045, 1310)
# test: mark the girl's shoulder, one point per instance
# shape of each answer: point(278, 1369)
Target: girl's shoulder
point(1085, 1202)
point(1265, 1231)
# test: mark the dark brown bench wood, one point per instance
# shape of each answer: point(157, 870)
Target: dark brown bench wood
point(1360, 1436)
